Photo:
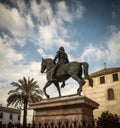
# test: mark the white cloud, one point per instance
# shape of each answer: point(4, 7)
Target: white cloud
point(35, 8)
point(62, 12)
point(42, 11)
point(8, 59)
point(92, 53)
point(43, 54)
point(48, 29)
point(66, 44)
point(109, 53)
point(11, 20)
point(8, 55)
point(112, 29)
point(51, 29)
point(114, 48)
point(12, 41)
point(77, 9)
point(21, 6)
point(3, 96)
point(47, 35)
point(29, 22)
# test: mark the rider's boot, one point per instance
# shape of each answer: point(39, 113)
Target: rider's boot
point(53, 74)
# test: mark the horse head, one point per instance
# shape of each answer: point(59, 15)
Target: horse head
point(46, 64)
point(43, 65)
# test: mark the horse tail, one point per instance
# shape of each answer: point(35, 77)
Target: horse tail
point(85, 69)
point(86, 75)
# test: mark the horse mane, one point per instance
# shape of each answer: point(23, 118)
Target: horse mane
point(50, 61)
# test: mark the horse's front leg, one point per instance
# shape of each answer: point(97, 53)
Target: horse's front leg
point(81, 83)
point(44, 89)
point(58, 88)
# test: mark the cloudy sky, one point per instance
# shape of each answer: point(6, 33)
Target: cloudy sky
point(89, 30)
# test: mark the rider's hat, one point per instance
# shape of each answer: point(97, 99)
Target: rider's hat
point(62, 49)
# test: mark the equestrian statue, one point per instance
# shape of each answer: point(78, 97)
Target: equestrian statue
point(63, 70)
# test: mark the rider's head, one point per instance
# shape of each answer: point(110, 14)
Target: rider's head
point(62, 49)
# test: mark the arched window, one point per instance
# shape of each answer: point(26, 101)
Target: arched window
point(11, 116)
point(110, 94)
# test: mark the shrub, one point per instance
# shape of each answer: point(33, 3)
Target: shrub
point(108, 120)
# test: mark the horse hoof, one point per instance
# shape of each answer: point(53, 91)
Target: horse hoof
point(79, 91)
point(83, 83)
point(48, 96)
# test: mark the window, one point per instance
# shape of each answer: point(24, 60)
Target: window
point(11, 116)
point(1, 115)
point(115, 77)
point(18, 117)
point(102, 79)
point(110, 94)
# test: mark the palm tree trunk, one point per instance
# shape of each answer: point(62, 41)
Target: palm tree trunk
point(25, 114)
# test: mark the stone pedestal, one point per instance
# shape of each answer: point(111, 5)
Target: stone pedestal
point(71, 111)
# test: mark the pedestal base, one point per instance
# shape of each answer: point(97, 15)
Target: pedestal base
point(71, 111)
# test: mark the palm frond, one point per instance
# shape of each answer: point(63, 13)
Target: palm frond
point(39, 92)
point(25, 80)
point(16, 84)
point(26, 90)
point(13, 98)
point(12, 91)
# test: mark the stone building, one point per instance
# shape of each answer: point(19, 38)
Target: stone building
point(105, 91)
point(9, 115)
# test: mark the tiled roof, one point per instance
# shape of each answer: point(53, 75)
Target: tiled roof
point(10, 110)
point(105, 71)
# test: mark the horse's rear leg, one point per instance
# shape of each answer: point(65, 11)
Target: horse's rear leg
point(86, 67)
point(80, 81)
point(90, 81)
point(44, 89)
point(58, 88)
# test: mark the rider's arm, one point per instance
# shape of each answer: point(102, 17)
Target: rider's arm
point(57, 55)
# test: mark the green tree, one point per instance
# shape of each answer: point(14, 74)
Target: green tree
point(108, 120)
point(26, 91)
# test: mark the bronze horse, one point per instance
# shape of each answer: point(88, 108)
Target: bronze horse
point(64, 72)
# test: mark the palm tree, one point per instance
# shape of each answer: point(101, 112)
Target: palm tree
point(27, 90)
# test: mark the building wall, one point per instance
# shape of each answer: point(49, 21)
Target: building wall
point(6, 118)
point(99, 93)
point(9, 115)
